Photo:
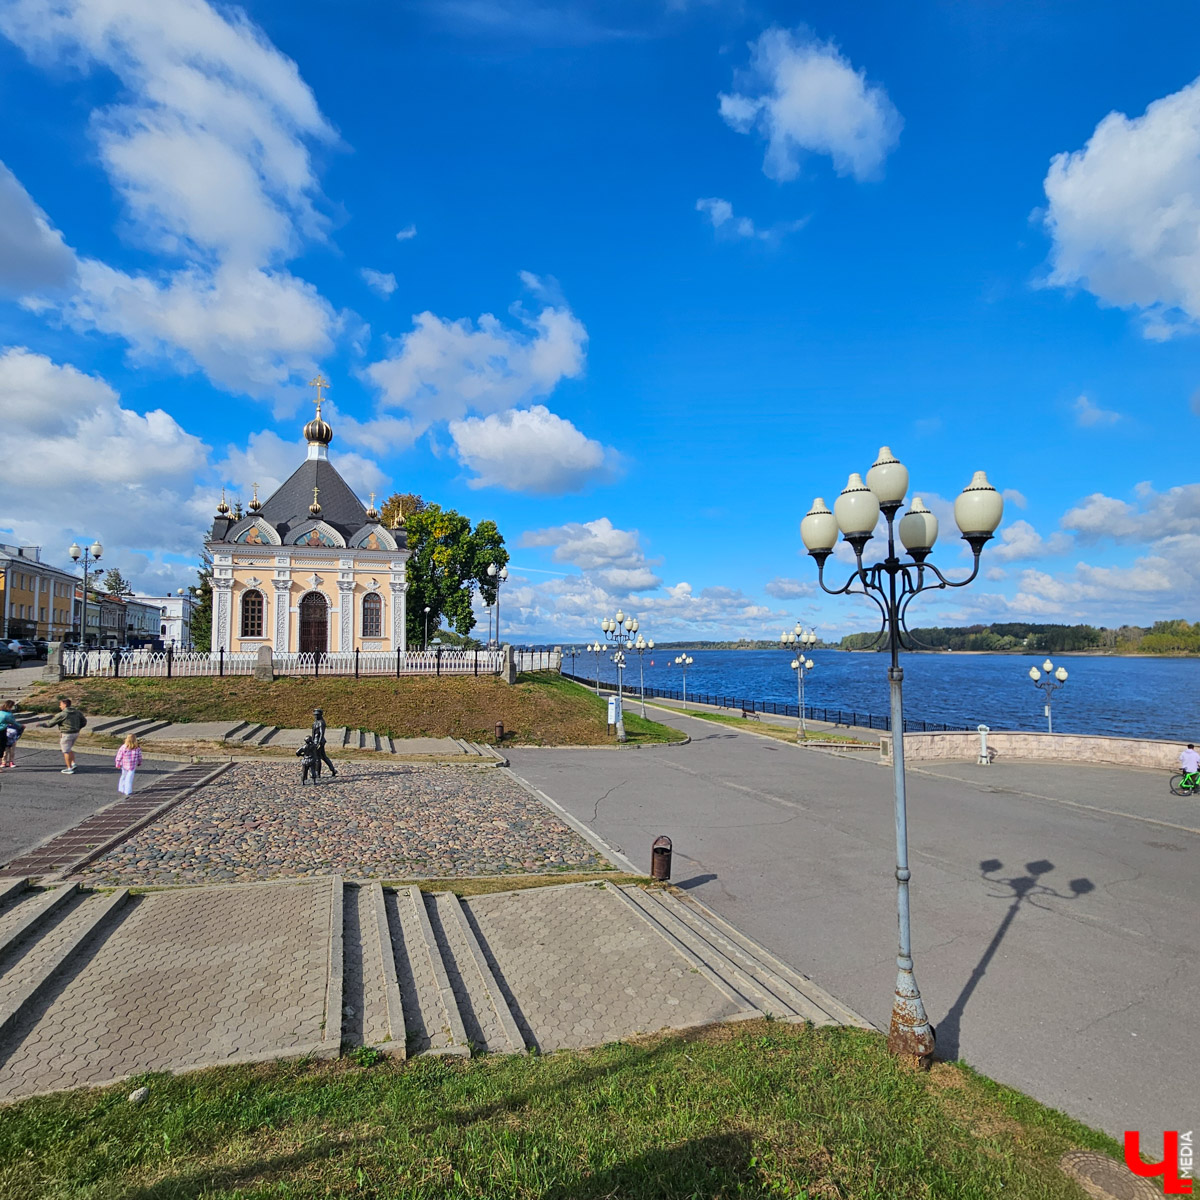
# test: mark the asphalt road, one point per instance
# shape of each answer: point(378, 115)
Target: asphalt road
point(37, 802)
point(1055, 942)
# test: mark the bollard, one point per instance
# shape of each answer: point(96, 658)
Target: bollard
point(660, 858)
point(499, 732)
point(984, 758)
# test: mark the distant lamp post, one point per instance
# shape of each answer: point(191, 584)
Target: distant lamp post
point(891, 585)
point(427, 627)
point(1053, 681)
point(596, 649)
point(620, 631)
point(641, 646)
point(684, 661)
point(800, 664)
point(500, 575)
point(89, 554)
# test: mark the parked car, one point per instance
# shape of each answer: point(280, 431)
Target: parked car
point(43, 647)
point(26, 647)
point(9, 657)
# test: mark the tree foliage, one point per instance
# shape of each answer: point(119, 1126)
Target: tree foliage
point(115, 584)
point(202, 614)
point(400, 504)
point(448, 565)
point(1164, 637)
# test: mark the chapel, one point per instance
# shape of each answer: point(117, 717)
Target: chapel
point(309, 570)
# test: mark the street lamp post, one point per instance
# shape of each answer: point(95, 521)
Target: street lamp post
point(88, 554)
point(892, 585)
point(621, 632)
point(499, 574)
point(427, 627)
point(800, 665)
point(1048, 685)
point(684, 661)
point(597, 650)
point(641, 646)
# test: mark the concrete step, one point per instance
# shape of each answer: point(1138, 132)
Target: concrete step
point(34, 911)
point(107, 724)
point(12, 891)
point(269, 732)
point(30, 965)
point(339, 737)
point(798, 990)
point(372, 1014)
point(487, 1020)
point(251, 734)
point(432, 1021)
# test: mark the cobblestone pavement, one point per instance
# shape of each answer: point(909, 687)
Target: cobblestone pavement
point(382, 821)
point(186, 979)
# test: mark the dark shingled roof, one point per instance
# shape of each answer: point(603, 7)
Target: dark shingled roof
point(340, 507)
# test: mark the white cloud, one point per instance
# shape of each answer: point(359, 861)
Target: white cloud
point(1124, 213)
point(409, 231)
point(802, 95)
point(1158, 515)
point(209, 149)
point(1012, 496)
point(33, 255)
point(720, 214)
point(380, 282)
point(1020, 541)
point(1089, 414)
point(783, 588)
point(529, 450)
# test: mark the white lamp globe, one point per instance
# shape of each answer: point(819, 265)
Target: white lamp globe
point(808, 666)
point(795, 664)
point(74, 551)
point(650, 644)
point(1034, 674)
point(1047, 666)
point(918, 527)
point(492, 569)
point(888, 478)
point(979, 506)
point(620, 616)
point(97, 549)
point(819, 530)
point(857, 508)
point(1061, 674)
point(503, 572)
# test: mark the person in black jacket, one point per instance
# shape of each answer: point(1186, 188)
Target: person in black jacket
point(318, 736)
point(310, 764)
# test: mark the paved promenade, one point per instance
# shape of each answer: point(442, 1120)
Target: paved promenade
point(1054, 942)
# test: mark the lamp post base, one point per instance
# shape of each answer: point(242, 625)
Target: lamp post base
point(911, 1037)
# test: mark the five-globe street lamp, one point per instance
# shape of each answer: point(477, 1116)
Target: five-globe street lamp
point(1048, 685)
point(87, 553)
point(892, 585)
point(620, 631)
point(500, 575)
point(800, 664)
point(596, 649)
point(641, 646)
point(684, 661)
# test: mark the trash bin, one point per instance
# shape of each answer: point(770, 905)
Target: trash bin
point(660, 858)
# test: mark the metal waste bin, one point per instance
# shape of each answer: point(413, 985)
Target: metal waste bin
point(660, 858)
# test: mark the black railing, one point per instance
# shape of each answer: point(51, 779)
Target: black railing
point(781, 708)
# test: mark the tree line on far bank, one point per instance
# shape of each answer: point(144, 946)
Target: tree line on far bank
point(1163, 637)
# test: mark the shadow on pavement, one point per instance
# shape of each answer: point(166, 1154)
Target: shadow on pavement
point(1022, 889)
point(695, 881)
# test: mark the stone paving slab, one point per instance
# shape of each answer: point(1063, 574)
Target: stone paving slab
point(188, 979)
point(580, 968)
point(200, 731)
point(381, 820)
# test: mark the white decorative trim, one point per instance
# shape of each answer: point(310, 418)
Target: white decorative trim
point(372, 646)
point(253, 581)
point(346, 609)
point(283, 589)
point(315, 581)
point(223, 594)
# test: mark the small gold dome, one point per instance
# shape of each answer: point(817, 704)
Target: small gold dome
point(372, 511)
point(222, 508)
point(315, 507)
point(255, 504)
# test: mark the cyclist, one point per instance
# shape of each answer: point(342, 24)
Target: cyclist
point(1189, 760)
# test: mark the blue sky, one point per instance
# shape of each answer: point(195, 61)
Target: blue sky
point(636, 280)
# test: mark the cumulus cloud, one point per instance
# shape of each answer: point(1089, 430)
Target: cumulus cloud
point(720, 214)
point(803, 95)
point(33, 255)
point(1020, 541)
point(529, 450)
point(1123, 213)
point(1089, 415)
point(381, 283)
point(407, 233)
point(208, 147)
point(783, 588)
point(1156, 515)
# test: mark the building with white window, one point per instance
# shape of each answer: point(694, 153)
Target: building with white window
point(174, 618)
point(36, 599)
point(310, 570)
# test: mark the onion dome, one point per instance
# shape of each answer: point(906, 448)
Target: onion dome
point(398, 523)
point(315, 507)
point(372, 512)
point(318, 432)
point(255, 504)
point(222, 508)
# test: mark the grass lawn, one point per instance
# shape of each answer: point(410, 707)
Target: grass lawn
point(784, 733)
point(759, 1109)
point(541, 709)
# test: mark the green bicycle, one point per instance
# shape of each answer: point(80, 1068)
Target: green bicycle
point(1186, 783)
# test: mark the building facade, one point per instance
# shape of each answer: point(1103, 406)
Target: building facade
point(311, 570)
point(174, 618)
point(36, 599)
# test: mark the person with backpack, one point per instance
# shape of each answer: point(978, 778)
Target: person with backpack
point(72, 721)
point(129, 758)
point(10, 730)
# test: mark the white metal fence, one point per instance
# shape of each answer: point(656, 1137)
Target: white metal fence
point(538, 660)
point(135, 664)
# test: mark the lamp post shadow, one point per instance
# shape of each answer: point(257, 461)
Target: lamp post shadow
point(1023, 889)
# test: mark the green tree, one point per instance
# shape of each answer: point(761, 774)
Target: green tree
point(202, 614)
point(448, 563)
point(400, 504)
point(115, 584)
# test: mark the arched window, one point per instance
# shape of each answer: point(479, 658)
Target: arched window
point(252, 614)
point(372, 616)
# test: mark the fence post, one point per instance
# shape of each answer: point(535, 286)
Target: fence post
point(476, 661)
point(316, 664)
point(116, 664)
point(397, 662)
point(221, 661)
point(170, 657)
point(355, 662)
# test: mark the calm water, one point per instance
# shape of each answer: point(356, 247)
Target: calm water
point(1137, 697)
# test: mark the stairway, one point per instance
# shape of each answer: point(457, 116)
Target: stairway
point(96, 986)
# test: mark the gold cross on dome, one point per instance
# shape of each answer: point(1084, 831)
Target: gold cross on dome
point(372, 499)
point(315, 491)
point(319, 382)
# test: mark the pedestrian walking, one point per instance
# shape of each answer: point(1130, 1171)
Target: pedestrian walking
point(10, 730)
point(129, 758)
point(72, 721)
point(318, 737)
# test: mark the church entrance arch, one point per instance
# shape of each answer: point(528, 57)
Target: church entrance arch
point(314, 624)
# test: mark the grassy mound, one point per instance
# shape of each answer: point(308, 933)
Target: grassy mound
point(757, 1109)
point(539, 710)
